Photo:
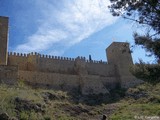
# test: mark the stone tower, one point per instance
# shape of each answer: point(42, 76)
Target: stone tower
point(118, 53)
point(3, 40)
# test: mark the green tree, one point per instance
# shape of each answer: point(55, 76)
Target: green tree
point(145, 13)
point(147, 72)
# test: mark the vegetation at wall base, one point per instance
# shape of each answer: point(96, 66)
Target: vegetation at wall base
point(147, 72)
point(25, 103)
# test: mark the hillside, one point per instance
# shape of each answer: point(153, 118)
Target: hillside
point(25, 103)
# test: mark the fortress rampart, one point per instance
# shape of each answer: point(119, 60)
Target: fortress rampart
point(86, 76)
point(57, 64)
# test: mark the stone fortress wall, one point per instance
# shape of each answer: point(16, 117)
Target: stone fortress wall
point(57, 64)
point(86, 76)
point(64, 73)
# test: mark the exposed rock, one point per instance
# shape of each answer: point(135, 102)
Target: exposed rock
point(136, 94)
point(75, 110)
point(49, 96)
point(22, 104)
point(4, 116)
point(109, 109)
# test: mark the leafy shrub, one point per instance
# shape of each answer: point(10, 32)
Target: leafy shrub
point(24, 116)
point(147, 72)
point(47, 118)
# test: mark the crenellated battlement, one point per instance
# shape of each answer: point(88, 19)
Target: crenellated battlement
point(15, 54)
point(61, 58)
point(97, 62)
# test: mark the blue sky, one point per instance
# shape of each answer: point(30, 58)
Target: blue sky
point(68, 28)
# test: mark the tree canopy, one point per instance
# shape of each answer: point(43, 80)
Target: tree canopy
point(145, 13)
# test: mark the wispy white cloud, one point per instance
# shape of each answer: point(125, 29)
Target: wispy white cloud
point(65, 23)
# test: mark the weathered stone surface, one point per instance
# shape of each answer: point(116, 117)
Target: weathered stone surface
point(118, 53)
point(8, 74)
point(3, 40)
point(92, 85)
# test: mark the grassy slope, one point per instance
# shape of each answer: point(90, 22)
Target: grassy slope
point(143, 100)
